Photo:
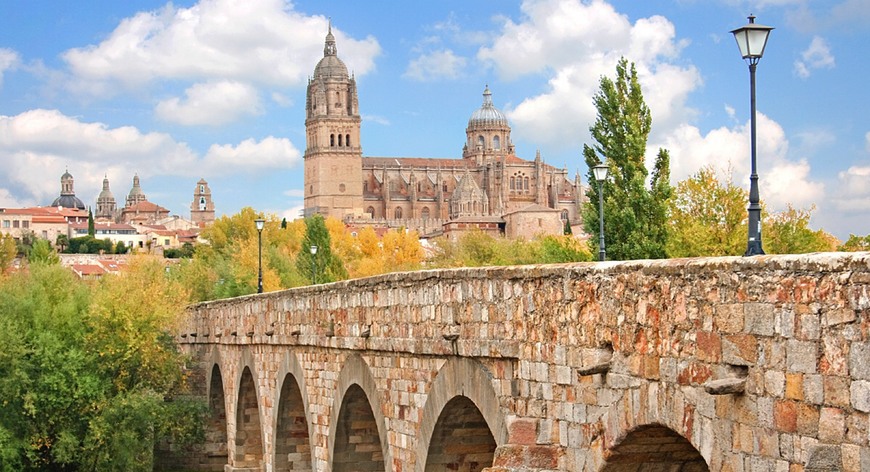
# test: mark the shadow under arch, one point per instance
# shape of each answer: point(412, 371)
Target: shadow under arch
point(355, 376)
point(652, 448)
point(248, 446)
point(460, 377)
point(290, 421)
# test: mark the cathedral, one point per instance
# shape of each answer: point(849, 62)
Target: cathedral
point(489, 188)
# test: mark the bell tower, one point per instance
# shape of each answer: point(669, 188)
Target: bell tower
point(333, 155)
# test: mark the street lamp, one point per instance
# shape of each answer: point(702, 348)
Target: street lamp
point(313, 265)
point(600, 173)
point(751, 39)
point(260, 223)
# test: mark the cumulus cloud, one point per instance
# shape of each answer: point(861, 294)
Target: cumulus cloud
point(270, 153)
point(576, 43)
point(816, 56)
point(262, 42)
point(853, 195)
point(436, 65)
point(8, 60)
point(212, 103)
point(781, 181)
point(41, 143)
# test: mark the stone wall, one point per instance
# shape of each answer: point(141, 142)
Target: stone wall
point(754, 363)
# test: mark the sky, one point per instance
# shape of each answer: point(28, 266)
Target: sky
point(215, 89)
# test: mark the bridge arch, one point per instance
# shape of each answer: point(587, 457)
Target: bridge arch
point(460, 379)
point(290, 422)
point(248, 445)
point(652, 448)
point(216, 453)
point(356, 390)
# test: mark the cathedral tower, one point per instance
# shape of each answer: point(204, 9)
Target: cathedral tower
point(333, 155)
point(488, 134)
point(107, 208)
point(202, 207)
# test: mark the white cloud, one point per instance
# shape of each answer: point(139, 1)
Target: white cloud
point(436, 65)
point(211, 103)
point(39, 144)
point(816, 56)
point(853, 195)
point(781, 181)
point(576, 43)
point(8, 61)
point(263, 42)
point(270, 153)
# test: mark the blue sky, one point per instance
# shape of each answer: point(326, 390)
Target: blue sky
point(216, 89)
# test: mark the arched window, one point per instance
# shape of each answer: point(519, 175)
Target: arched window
point(332, 140)
point(526, 183)
point(480, 141)
point(496, 143)
point(425, 213)
point(365, 185)
point(397, 214)
point(347, 140)
point(371, 211)
point(513, 183)
point(340, 140)
point(564, 215)
point(444, 187)
point(202, 203)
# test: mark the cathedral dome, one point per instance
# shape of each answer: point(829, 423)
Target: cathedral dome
point(105, 194)
point(68, 201)
point(330, 65)
point(487, 113)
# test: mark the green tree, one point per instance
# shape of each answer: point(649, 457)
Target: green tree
point(324, 266)
point(635, 216)
point(121, 248)
point(788, 232)
point(707, 217)
point(856, 243)
point(85, 371)
point(91, 230)
point(42, 253)
point(8, 251)
point(62, 242)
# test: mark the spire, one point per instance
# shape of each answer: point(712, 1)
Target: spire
point(329, 48)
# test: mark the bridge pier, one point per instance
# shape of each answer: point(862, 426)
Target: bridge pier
point(579, 367)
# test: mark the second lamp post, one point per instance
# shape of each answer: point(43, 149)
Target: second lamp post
point(314, 265)
point(260, 223)
point(600, 173)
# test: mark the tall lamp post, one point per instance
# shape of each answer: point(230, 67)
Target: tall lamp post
point(313, 264)
point(600, 173)
point(751, 39)
point(260, 223)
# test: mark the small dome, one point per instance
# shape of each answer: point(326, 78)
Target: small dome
point(487, 113)
point(330, 65)
point(68, 201)
point(105, 194)
point(66, 175)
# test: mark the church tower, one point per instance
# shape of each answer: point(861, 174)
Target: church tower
point(107, 208)
point(488, 134)
point(202, 208)
point(333, 155)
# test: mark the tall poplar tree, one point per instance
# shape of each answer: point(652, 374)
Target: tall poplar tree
point(325, 266)
point(635, 213)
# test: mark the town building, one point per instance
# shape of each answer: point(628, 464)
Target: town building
point(202, 207)
point(489, 188)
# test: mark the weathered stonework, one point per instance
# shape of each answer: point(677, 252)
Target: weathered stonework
point(580, 367)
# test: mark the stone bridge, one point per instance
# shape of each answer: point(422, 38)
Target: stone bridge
point(722, 364)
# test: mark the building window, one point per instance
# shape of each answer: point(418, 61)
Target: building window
point(202, 203)
point(513, 183)
point(166, 242)
point(15, 223)
point(202, 189)
point(371, 211)
point(347, 140)
point(332, 140)
point(7, 223)
point(480, 142)
point(341, 188)
point(340, 140)
point(425, 213)
point(397, 214)
point(564, 215)
point(526, 183)
point(25, 224)
point(365, 186)
point(444, 187)
point(45, 235)
point(496, 143)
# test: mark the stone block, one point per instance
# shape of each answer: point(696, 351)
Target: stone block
point(813, 391)
point(802, 356)
point(522, 430)
point(759, 318)
point(859, 392)
point(728, 317)
point(859, 361)
point(832, 425)
point(739, 349)
point(836, 390)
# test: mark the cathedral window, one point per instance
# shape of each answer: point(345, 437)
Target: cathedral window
point(397, 214)
point(480, 142)
point(365, 186)
point(513, 183)
point(425, 213)
point(202, 203)
point(371, 211)
point(347, 140)
point(526, 183)
point(332, 140)
point(564, 215)
point(202, 189)
point(444, 187)
point(340, 140)
point(496, 143)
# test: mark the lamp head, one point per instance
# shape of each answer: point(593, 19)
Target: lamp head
point(752, 39)
point(313, 250)
point(600, 172)
point(260, 223)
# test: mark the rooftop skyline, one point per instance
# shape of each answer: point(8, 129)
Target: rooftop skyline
point(216, 90)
